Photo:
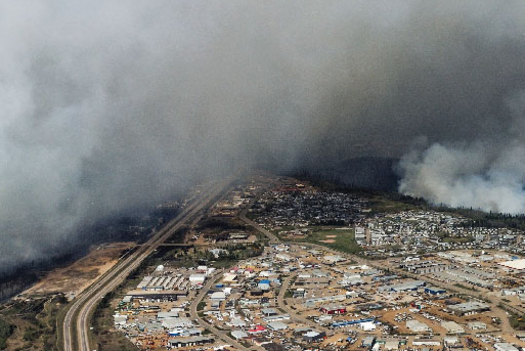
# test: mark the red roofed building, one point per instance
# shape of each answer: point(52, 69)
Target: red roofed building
point(257, 329)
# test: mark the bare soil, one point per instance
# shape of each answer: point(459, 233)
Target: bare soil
point(73, 279)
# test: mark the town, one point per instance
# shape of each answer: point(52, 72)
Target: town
point(281, 264)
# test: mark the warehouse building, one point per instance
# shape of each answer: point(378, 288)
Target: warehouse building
point(314, 336)
point(505, 346)
point(434, 291)
point(477, 325)
point(469, 308)
point(417, 326)
point(424, 267)
point(192, 341)
point(452, 327)
point(409, 286)
point(516, 266)
point(333, 309)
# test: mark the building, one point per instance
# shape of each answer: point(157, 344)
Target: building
point(218, 296)
point(277, 326)
point(426, 342)
point(391, 345)
point(229, 278)
point(157, 295)
point(409, 286)
point(238, 236)
point(333, 259)
point(314, 336)
point(179, 322)
point(517, 266)
point(424, 267)
point(264, 285)
point(168, 314)
point(197, 279)
point(239, 334)
point(417, 326)
point(452, 327)
point(191, 341)
point(279, 317)
point(477, 325)
point(505, 346)
point(451, 341)
point(368, 341)
point(360, 235)
point(434, 291)
point(514, 291)
point(268, 312)
point(469, 308)
point(237, 322)
point(368, 326)
point(257, 292)
point(257, 330)
point(299, 293)
point(185, 332)
point(339, 324)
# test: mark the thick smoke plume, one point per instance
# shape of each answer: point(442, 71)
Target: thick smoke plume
point(110, 105)
point(486, 174)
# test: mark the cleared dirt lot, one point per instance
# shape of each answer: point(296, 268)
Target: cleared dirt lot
point(73, 279)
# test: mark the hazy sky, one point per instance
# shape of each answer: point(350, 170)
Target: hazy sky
point(107, 105)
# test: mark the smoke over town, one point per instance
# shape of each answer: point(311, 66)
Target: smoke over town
point(114, 105)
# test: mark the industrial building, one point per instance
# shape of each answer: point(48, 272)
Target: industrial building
point(424, 267)
point(468, 308)
point(333, 309)
point(452, 327)
point(192, 341)
point(431, 290)
point(417, 326)
point(409, 286)
point(514, 265)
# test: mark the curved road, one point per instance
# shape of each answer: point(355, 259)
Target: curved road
point(493, 301)
point(223, 335)
point(273, 239)
point(79, 314)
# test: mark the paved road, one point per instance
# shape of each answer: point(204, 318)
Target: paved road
point(493, 300)
point(293, 314)
point(221, 335)
point(273, 239)
point(80, 311)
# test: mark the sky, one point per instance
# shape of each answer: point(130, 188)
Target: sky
point(106, 106)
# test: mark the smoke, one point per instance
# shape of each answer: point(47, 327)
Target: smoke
point(120, 104)
point(485, 174)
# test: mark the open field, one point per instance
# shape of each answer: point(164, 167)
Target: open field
point(337, 238)
point(73, 279)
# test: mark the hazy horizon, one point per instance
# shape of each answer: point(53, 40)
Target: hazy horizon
point(112, 105)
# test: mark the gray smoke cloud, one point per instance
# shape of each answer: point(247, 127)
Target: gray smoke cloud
point(111, 105)
point(484, 174)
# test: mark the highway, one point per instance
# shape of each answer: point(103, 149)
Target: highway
point(78, 316)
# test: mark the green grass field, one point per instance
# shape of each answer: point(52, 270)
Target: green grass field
point(343, 239)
